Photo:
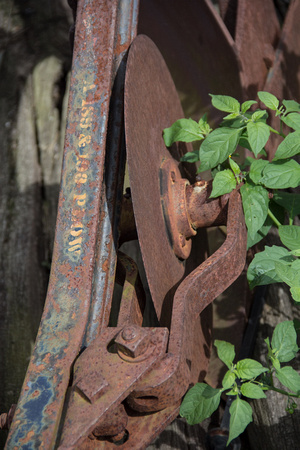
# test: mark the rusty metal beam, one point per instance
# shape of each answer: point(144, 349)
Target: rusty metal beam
point(103, 33)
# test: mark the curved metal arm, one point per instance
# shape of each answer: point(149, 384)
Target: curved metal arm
point(169, 381)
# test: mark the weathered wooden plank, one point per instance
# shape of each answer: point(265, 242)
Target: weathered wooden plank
point(271, 423)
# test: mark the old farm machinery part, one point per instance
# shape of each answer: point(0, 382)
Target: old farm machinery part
point(152, 367)
point(91, 385)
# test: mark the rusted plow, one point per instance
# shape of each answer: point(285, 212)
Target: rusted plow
point(90, 384)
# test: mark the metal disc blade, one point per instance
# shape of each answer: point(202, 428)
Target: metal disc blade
point(151, 104)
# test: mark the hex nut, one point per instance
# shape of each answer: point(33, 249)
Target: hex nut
point(133, 341)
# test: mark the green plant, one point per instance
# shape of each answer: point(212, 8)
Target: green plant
point(265, 204)
point(259, 185)
point(247, 378)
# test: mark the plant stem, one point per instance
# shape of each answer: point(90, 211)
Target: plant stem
point(280, 391)
point(277, 132)
point(271, 215)
point(245, 119)
point(280, 126)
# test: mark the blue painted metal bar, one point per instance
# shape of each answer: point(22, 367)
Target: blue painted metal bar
point(100, 42)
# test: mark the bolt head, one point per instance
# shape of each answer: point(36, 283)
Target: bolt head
point(130, 333)
point(93, 386)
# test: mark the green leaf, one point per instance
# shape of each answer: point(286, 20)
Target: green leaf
point(289, 201)
point(291, 276)
point(289, 147)
point(269, 100)
point(263, 153)
point(252, 390)
point(259, 114)
point(289, 378)
point(290, 236)
point(190, 157)
point(295, 293)
point(185, 130)
point(276, 363)
point(234, 166)
point(255, 204)
point(256, 169)
point(226, 352)
point(249, 368)
point(225, 103)
point(261, 271)
point(267, 341)
point(244, 142)
point(296, 264)
point(228, 380)
point(223, 183)
point(238, 122)
point(292, 120)
point(240, 417)
point(258, 135)
point(204, 125)
point(281, 174)
point(199, 403)
point(284, 341)
point(233, 391)
point(218, 145)
point(246, 105)
point(278, 211)
point(287, 274)
point(260, 234)
point(231, 116)
point(291, 106)
point(216, 170)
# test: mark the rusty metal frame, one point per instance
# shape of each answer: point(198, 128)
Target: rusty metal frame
point(85, 190)
point(143, 365)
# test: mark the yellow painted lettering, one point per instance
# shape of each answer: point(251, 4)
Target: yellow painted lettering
point(76, 233)
point(80, 178)
point(84, 103)
point(86, 122)
point(82, 166)
point(80, 199)
point(88, 88)
point(86, 110)
point(75, 249)
point(77, 224)
point(83, 140)
point(75, 242)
